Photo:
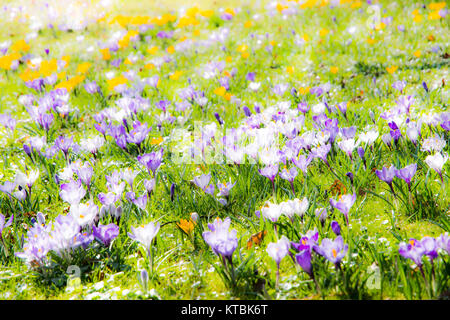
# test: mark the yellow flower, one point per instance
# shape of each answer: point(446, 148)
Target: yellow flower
point(417, 18)
point(434, 15)
point(220, 91)
point(227, 96)
point(186, 225)
point(303, 90)
point(149, 66)
point(170, 49)
point(114, 82)
point(391, 69)
point(437, 5)
point(7, 60)
point(156, 141)
point(334, 70)
point(371, 41)
point(153, 49)
point(290, 69)
point(323, 32)
point(176, 75)
point(281, 7)
point(47, 68)
point(83, 67)
point(230, 11)
point(207, 13)
point(228, 59)
point(20, 45)
point(245, 55)
point(105, 54)
point(242, 48)
point(418, 53)
point(248, 24)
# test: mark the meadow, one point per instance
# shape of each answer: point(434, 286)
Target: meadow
point(224, 150)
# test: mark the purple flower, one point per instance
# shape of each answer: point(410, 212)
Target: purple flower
point(430, 246)
point(443, 242)
point(307, 242)
point(202, 181)
point(336, 227)
point(344, 203)
point(250, 76)
point(64, 144)
point(278, 250)
point(72, 192)
point(92, 87)
point(85, 173)
point(399, 85)
point(333, 251)
point(302, 163)
point(304, 260)
point(303, 107)
point(4, 225)
point(321, 152)
point(343, 108)
point(412, 250)
point(141, 202)
point(144, 234)
point(106, 233)
point(289, 175)
point(387, 175)
point(269, 172)
point(224, 189)
point(152, 161)
point(407, 173)
point(222, 241)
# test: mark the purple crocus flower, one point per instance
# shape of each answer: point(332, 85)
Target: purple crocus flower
point(222, 241)
point(64, 144)
point(224, 189)
point(92, 87)
point(321, 152)
point(407, 173)
point(250, 76)
point(141, 202)
point(144, 234)
point(412, 250)
point(72, 192)
point(343, 108)
point(302, 163)
point(278, 250)
point(399, 85)
point(387, 175)
point(219, 120)
point(344, 203)
point(430, 246)
point(106, 233)
point(333, 251)
point(4, 225)
point(443, 242)
point(152, 161)
point(303, 107)
point(336, 228)
point(107, 199)
point(308, 241)
point(304, 260)
point(269, 172)
point(85, 173)
point(202, 181)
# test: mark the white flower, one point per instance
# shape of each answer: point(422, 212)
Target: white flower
point(27, 179)
point(433, 144)
point(271, 211)
point(369, 137)
point(437, 161)
point(84, 213)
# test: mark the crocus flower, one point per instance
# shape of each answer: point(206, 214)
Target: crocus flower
point(333, 251)
point(336, 227)
point(304, 260)
point(222, 241)
point(85, 174)
point(152, 161)
point(295, 207)
point(302, 163)
point(278, 250)
point(344, 203)
point(106, 233)
point(144, 234)
point(307, 242)
point(141, 202)
point(436, 162)
point(443, 242)
point(270, 172)
point(430, 246)
point(84, 213)
point(407, 173)
point(4, 225)
point(412, 250)
point(272, 211)
point(387, 175)
point(72, 192)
